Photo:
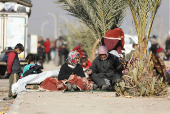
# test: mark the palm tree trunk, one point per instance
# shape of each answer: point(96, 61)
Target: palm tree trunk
point(94, 48)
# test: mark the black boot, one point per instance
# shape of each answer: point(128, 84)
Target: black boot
point(95, 87)
point(105, 87)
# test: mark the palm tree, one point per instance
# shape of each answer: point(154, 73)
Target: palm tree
point(97, 15)
point(143, 13)
point(82, 34)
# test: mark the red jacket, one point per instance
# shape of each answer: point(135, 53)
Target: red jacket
point(114, 33)
point(47, 46)
point(88, 66)
point(13, 63)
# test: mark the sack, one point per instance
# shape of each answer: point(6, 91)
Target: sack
point(2, 6)
point(9, 6)
point(34, 69)
point(159, 65)
point(5, 57)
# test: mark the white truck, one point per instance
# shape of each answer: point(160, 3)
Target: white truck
point(14, 30)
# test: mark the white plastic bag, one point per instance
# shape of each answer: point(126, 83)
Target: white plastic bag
point(2, 6)
point(9, 6)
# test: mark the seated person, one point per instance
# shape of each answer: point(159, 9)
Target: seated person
point(85, 63)
point(106, 69)
point(71, 68)
point(31, 68)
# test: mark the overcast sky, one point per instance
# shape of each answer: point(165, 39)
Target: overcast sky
point(41, 7)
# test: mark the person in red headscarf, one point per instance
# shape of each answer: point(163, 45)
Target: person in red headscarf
point(114, 39)
point(47, 48)
point(79, 50)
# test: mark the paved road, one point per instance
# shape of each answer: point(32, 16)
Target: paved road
point(89, 103)
point(80, 102)
point(4, 87)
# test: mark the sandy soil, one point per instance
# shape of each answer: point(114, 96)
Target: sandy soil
point(90, 103)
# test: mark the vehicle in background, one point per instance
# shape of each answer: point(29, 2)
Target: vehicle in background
point(129, 41)
point(14, 30)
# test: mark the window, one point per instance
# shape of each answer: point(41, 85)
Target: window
point(15, 31)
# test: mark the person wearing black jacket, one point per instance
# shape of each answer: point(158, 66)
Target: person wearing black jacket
point(63, 53)
point(41, 54)
point(71, 68)
point(106, 69)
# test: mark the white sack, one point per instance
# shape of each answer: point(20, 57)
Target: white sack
point(32, 79)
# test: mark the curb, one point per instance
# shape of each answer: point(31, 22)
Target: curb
point(15, 107)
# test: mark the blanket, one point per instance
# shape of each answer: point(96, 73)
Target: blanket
point(32, 79)
point(56, 85)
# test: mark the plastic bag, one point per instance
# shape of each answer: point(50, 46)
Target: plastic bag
point(2, 6)
point(9, 6)
point(21, 9)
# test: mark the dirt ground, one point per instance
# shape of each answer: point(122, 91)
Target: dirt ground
point(90, 103)
point(86, 102)
point(4, 105)
point(4, 88)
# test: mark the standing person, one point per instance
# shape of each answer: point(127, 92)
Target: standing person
point(167, 43)
point(106, 69)
point(63, 53)
point(13, 67)
point(41, 41)
point(41, 52)
point(58, 45)
point(114, 39)
point(47, 49)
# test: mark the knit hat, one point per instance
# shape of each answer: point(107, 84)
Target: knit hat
point(103, 50)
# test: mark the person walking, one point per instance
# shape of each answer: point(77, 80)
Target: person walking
point(47, 49)
point(63, 53)
point(58, 44)
point(40, 54)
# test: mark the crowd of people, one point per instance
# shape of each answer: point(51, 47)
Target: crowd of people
point(77, 72)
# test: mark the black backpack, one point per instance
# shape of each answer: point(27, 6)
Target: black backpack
point(34, 69)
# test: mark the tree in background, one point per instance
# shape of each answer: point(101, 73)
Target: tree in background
point(97, 15)
point(79, 35)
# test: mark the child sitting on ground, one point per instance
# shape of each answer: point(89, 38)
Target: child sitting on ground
point(85, 63)
point(31, 68)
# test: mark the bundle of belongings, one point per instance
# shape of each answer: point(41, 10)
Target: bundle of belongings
point(59, 85)
point(20, 6)
point(34, 69)
point(32, 79)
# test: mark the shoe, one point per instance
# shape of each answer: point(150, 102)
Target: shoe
point(74, 86)
point(95, 87)
point(8, 98)
point(69, 87)
point(104, 87)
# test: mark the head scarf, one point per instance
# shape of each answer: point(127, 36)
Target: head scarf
point(103, 50)
point(71, 57)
